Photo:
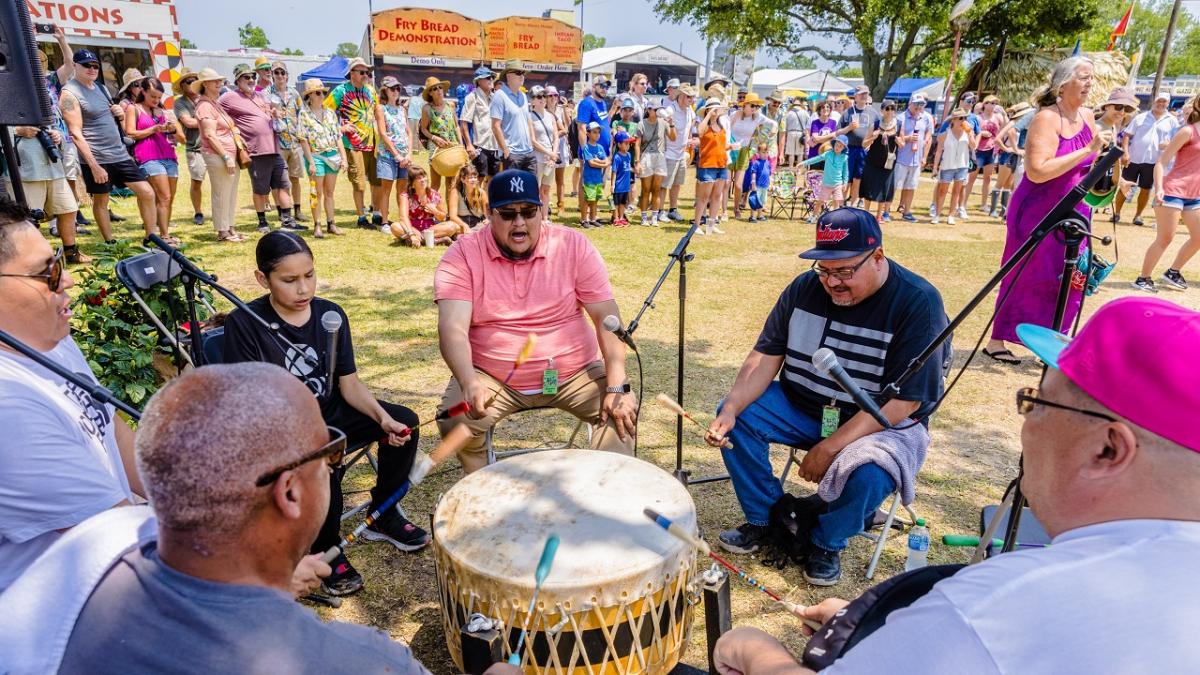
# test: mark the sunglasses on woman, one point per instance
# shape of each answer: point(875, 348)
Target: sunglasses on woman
point(279, 71)
point(53, 274)
point(526, 212)
point(332, 452)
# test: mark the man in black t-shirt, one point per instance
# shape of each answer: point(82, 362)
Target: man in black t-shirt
point(877, 317)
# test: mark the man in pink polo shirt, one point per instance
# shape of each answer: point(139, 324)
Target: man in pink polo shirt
point(514, 277)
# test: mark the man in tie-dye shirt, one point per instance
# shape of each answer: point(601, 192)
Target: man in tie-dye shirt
point(354, 102)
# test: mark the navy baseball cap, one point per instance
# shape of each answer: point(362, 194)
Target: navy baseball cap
point(513, 186)
point(844, 233)
point(85, 56)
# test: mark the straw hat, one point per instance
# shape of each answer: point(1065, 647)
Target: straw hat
point(687, 89)
point(184, 75)
point(312, 86)
point(206, 75)
point(430, 83)
point(130, 76)
point(512, 65)
point(1019, 110)
point(752, 99)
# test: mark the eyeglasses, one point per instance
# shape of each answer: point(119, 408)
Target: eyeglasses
point(53, 274)
point(280, 71)
point(1027, 399)
point(332, 452)
point(527, 212)
point(842, 273)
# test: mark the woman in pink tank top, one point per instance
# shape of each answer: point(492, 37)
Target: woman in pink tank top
point(1177, 194)
point(154, 145)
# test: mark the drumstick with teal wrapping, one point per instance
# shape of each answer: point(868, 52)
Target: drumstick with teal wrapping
point(539, 576)
point(688, 538)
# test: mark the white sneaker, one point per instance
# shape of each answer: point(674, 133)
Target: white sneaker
point(701, 230)
point(935, 220)
point(950, 220)
point(962, 212)
point(717, 230)
point(933, 211)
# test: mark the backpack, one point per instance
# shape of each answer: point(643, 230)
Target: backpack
point(789, 523)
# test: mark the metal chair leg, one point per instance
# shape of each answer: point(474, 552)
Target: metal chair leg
point(787, 467)
point(882, 538)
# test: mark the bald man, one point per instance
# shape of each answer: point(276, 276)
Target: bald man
point(238, 501)
point(1112, 471)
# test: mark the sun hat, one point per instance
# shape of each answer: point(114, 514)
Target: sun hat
point(483, 73)
point(844, 233)
point(1019, 110)
point(712, 102)
point(551, 90)
point(622, 137)
point(206, 75)
point(313, 85)
point(513, 186)
point(958, 114)
point(776, 97)
point(841, 138)
point(128, 77)
point(512, 65)
point(673, 82)
point(716, 80)
point(262, 63)
point(1121, 96)
point(356, 62)
point(991, 98)
point(430, 83)
point(242, 69)
point(185, 74)
point(687, 89)
point(752, 99)
point(1109, 360)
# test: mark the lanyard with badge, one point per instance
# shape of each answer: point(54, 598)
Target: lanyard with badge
point(831, 417)
point(550, 378)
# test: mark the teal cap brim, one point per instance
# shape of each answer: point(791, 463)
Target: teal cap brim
point(1044, 342)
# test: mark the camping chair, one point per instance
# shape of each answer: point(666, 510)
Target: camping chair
point(494, 455)
point(813, 206)
point(880, 519)
point(783, 195)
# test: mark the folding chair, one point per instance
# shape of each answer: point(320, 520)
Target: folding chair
point(783, 195)
point(144, 271)
point(494, 455)
point(878, 519)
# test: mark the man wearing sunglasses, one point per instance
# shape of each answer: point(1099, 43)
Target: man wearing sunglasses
point(518, 276)
point(63, 456)
point(285, 100)
point(206, 581)
point(354, 102)
point(510, 119)
point(876, 316)
point(1111, 454)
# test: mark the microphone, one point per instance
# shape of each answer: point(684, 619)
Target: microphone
point(613, 325)
point(827, 362)
point(331, 321)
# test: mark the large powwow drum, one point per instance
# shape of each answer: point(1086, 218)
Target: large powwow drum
point(619, 596)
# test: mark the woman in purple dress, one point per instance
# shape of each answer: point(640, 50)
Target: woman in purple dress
point(821, 130)
point(1061, 145)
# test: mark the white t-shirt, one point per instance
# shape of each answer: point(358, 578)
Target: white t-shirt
point(545, 127)
point(1147, 135)
point(1117, 597)
point(684, 118)
point(742, 128)
point(59, 461)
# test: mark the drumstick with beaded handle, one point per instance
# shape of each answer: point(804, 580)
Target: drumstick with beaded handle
point(460, 408)
point(454, 441)
point(522, 357)
point(688, 538)
point(539, 576)
point(674, 407)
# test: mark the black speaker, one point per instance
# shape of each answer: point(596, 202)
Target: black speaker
point(23, 96)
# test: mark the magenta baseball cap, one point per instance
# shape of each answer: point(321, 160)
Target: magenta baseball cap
point(1139, 357)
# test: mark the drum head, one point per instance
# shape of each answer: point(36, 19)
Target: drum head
point(495, 523)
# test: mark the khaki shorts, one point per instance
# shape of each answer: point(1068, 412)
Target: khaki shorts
point(676, 172)
point(652, 164)
point(360, 168)
point(294, 159)
point(52, 196)
point(197, 167)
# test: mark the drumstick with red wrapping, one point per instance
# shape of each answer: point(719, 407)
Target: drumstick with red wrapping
point(674, 407)
point(460, 408)
point(683, 535)
point(454, 441)
point(522, 357)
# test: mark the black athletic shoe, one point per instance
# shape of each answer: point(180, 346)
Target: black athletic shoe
point(746, 538)
point(292, 225)
point(397, 531)
point(263, 229)
point(116, 218)
point(822, 568)
point(345, 580)
point(364, 223)
point(1139, 222)
point(1144, 284)
point(377, 220)
point(81, 219)
point(198, 219)
point(1175, 280)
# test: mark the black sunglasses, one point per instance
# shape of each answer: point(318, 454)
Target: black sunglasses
point(1027, 399)
point(842, 273)
point(360, 71)
point(526, 212)
point(280, 71)
point(91, 65)
point(332, 452)
point(539, 96)
point(53, 274)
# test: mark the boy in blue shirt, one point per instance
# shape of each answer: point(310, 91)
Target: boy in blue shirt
point(622, 164)
point(759, 175)
point(595, 161)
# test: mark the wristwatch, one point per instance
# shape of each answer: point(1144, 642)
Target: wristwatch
point(620, 389)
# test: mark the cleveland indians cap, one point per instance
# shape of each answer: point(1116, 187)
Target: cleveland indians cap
point(844, 233)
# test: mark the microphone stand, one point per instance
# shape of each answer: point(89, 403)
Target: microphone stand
point(94, 389)
point(1074, 227)
point(682, 257)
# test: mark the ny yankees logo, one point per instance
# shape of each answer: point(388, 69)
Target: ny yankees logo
point(517, 184)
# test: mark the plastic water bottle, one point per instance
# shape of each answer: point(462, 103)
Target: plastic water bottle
point(918, 546)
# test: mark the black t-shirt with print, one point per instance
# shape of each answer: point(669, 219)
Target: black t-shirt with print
point(248, 340)
point(874, 340)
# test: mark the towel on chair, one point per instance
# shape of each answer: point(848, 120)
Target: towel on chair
point(899, 453)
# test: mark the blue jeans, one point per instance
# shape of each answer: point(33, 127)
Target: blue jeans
point(773, 419)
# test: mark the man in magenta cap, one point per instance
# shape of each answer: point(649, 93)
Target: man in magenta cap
point(1112, 471)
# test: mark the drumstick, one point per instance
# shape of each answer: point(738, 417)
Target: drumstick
point(522, 357)
point(460, 408)
point(686, 537)
point(674, 407)
point(539, 576)
point(453, 442)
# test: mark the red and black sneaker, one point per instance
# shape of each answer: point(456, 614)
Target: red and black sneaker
point(396, 530)
point(345, 580)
